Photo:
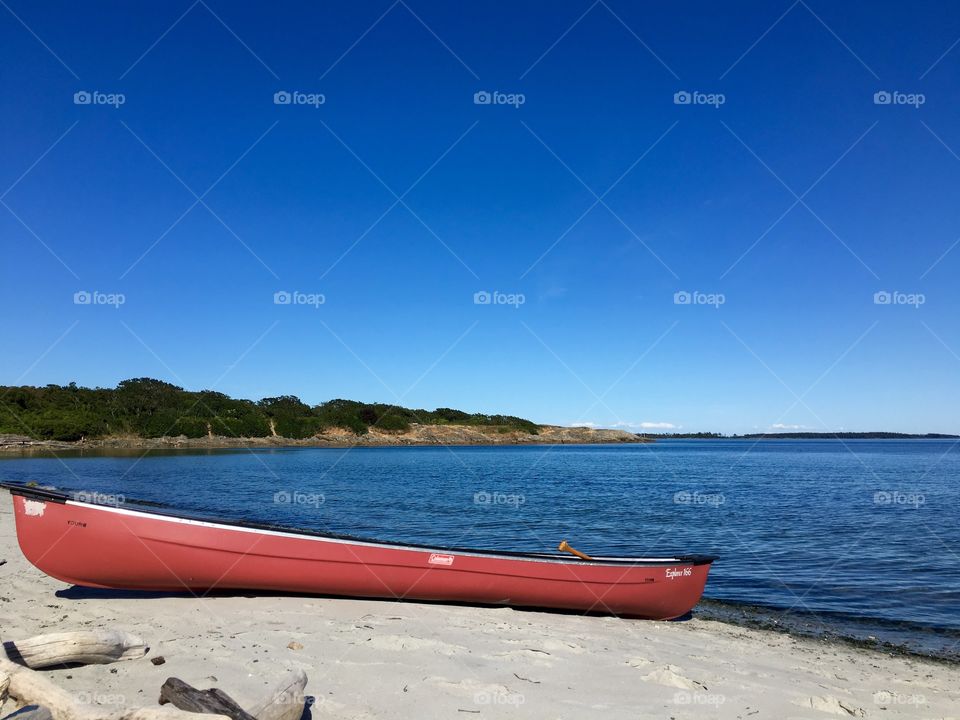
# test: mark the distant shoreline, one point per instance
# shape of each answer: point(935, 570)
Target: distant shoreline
point(879, 435)
point(416, 436)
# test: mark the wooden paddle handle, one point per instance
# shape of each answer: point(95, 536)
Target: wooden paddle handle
point(564, 546)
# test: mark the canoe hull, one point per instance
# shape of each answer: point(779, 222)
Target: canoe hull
point(109, 547)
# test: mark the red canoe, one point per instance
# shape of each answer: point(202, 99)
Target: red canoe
point(139, 547)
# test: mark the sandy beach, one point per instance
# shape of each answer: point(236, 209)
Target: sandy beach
point(375, 659)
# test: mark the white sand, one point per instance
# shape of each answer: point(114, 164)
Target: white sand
point(373, 659)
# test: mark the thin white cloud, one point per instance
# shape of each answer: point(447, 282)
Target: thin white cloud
point(781, 426)
point(646, 425)
point(629, 425)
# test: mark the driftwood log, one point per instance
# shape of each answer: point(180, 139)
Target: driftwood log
point(285, 701)
point(4, 686)
point(84, 647)
point(160, 713)
point(186, 697)
point(30, 687)
point(21, 682)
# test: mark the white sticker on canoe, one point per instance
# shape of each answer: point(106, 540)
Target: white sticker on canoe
point(33, 508)
point(438, 559)
point(679, 572)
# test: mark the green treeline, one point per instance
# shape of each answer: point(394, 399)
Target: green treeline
point(152, 408)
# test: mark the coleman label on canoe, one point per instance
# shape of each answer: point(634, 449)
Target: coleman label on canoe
point(679, 572)
point(438, 559)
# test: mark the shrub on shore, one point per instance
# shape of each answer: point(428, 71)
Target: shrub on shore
point(152, 408)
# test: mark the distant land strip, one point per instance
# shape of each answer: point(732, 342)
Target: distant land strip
point(143, 413)
point(803, 436)
point(148, 413)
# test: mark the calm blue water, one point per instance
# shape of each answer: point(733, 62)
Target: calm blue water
point(837, 532)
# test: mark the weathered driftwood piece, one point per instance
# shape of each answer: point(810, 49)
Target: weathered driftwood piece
point(83, 647)
point(31, 712)
point(285, 701)
point(30, 687)
point(166, 712)
point(4, 686)
point(186, 697)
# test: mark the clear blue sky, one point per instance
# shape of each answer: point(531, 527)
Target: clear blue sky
point(493, 197)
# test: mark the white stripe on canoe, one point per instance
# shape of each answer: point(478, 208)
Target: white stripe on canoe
point(298, 536)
